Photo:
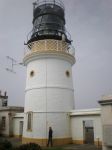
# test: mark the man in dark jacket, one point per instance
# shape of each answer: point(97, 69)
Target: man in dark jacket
point(50, 137)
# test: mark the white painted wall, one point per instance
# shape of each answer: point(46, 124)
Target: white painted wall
point(16, 123)
point(5, 131)
point(1, 102)
point(60, 123)
point(50, 96)
point(106, 115)
point(77, 126)
point(9, 113)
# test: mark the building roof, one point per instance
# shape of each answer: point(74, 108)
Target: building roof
point(107, 97)
point(19, 115)
point(106, 100)
point(3, 97)
point(85, 112)
point(12, 108)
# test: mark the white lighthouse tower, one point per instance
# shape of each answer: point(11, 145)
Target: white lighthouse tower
point(49, 93)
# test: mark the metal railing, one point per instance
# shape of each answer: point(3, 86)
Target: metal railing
point(49, 45)
point(48, 32)
point(52, 2)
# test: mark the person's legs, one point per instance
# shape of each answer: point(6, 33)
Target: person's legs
point(48, 142)
point(51, 142)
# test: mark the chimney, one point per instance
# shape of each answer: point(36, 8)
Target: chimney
point(5, 93)
point(0, 92)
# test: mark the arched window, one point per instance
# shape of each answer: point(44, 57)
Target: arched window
point(29, 120)
point(3, 122)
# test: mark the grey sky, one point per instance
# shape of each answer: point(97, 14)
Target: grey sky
point(89, 23)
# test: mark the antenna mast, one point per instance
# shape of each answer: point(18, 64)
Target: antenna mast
point(13, 63)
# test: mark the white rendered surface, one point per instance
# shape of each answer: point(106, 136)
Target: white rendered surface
point(77, 118)
point(106, 115)
point(6, 130)
point(49, 95)
point(16, 123)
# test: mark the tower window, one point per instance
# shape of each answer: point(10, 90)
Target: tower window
point(3, 122)
point(29, 121)
point(32, 73)
point(67, 73)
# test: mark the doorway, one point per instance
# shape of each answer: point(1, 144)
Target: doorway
point(21, 129)
point(88, 132)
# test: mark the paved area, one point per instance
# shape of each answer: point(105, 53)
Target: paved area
point(17, 142)
point(81, 147)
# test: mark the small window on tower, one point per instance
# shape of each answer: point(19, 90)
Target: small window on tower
point(32, 73)
point(29, 121)
point(67, 73)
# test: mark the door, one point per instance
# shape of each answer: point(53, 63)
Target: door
point(89, 135)
point(21, 128)
point(88, 132)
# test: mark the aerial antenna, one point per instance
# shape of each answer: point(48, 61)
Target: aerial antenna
point(13, 63)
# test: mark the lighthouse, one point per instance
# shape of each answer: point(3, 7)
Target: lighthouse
point(49, 92)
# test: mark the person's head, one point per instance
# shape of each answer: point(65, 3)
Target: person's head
point(50, 128)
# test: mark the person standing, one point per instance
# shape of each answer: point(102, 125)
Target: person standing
point(50, 137)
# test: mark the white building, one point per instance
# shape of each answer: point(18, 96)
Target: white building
point(49, 93)
point(106, 117)
point(85, 125)
point(92, 126)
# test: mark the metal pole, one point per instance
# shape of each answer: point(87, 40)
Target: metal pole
point(46, 103)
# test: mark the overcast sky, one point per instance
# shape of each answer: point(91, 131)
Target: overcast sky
point(90, 24)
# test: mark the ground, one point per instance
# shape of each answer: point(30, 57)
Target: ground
point(17, 142)
point(75, 147)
